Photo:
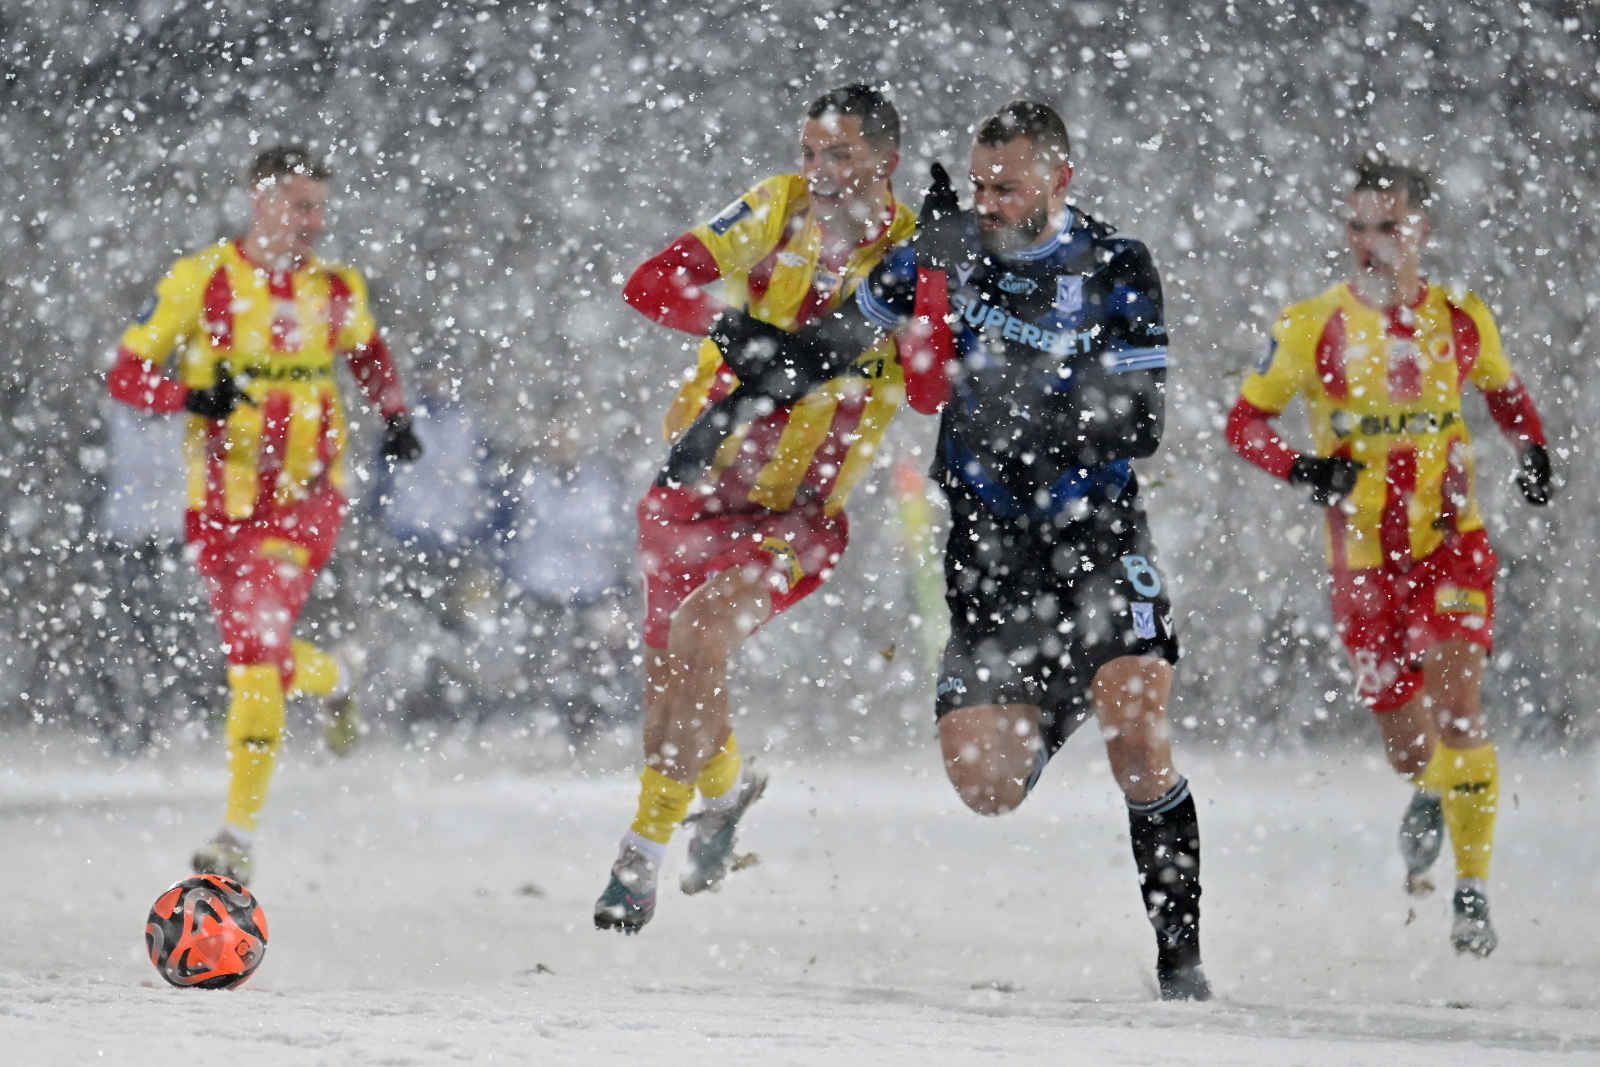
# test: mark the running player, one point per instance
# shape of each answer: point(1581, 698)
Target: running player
point(748, 516)
point(1380, 362)
point(1058, 609)
point(256, 323)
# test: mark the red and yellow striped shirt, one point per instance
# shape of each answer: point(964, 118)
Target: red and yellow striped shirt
point(278, 333)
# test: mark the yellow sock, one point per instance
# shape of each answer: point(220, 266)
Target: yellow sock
point(721, 772)
point(662, 805)
point(255, 729)
point(1468, 783)
point(315, 671)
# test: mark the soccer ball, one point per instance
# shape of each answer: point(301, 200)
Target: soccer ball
point(206, 932)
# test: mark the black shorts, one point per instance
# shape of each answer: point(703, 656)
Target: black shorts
point(1037, 609)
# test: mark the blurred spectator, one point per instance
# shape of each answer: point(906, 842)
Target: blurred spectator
point(443, 504)
point(569, 556)
point(156, 664)
point(443, 510)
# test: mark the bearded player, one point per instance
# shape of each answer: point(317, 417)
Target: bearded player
point(1058, 611)
point(255, 324)
point(1380, 362)
point(747, 518)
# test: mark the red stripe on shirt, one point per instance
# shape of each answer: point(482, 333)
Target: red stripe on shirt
point(216, 309)
point(339, 301)
point(275, 412)
point(1467, 342)
point(1394, 529)
point(1330, 357)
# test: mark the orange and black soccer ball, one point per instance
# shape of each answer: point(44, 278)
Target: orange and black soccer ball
point(206, 932)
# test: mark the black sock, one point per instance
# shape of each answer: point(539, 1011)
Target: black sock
point(1165, 833)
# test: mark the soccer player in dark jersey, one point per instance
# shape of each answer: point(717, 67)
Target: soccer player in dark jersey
point(1380, 362)
point(256, 324)
point(747, 518)
point(1054, 358)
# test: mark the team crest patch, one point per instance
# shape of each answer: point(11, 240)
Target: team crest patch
point(1069, 293)
point(1450, 600)
point(730, 215)
point(783, 554)
point(1144, 620)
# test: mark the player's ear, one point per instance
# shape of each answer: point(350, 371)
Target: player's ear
point(1063, 179)
point(888, 162)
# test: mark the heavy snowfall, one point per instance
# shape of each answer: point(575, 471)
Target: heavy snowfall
point(499, 169)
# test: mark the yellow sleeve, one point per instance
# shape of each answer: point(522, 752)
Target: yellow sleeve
point(172, 314)
point(359, 325)
point(749, 228)
point(1491, 370)
point(1282, 374)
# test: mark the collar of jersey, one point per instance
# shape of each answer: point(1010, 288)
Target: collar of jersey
point(1052, 244)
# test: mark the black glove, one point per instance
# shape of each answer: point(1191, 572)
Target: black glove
point(784, 366)
point(400, 442)
point(1534, 479)
point(945, 233)
point(220, 400)
point(1330, 478)
point(775, 368)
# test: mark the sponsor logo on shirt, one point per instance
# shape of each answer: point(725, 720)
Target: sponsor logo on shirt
point(730, 215)
point(1345, 423)
point(1013, 284)
point(791, 259)
point(951, 685)
point(984, 317)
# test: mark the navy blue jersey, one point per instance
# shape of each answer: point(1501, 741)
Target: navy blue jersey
point(1062, 353)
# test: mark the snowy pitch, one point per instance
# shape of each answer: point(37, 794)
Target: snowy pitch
point(433, 908)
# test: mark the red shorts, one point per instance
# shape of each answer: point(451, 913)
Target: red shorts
point(685, 538)
point(259, 574)
point(1387, 617)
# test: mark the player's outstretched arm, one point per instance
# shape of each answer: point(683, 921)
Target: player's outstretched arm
point(1512, 410)
point(669, 287)
point(1250, 433)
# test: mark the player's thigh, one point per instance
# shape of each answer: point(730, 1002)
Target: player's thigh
point(1007, 733)
point(1369, 613)
point(723, 611)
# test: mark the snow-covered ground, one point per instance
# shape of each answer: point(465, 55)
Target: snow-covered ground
point(433, 907)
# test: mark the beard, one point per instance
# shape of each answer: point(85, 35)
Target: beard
point(1005, 240)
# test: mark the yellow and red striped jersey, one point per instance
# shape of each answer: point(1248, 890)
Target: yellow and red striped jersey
point(767, 246)
point(1384, 387)
point(279, 333)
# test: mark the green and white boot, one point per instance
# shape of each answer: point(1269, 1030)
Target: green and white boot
point(1421, 838)
point(629, 900)
point(711, 843)
point(341, 709)
point(1471, 930)
point(227, 854)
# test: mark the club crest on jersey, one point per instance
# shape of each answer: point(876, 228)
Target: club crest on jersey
point(1144, 620)
point(1010, 283)
point(1069, 293)
point(730, 215)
